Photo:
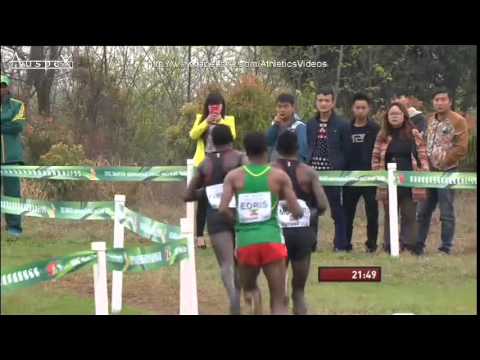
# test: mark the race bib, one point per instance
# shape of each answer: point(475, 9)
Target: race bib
point(214, 195)
point(286, 219)
point(254, 207)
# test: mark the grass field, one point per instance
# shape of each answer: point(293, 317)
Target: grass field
point(433, 284)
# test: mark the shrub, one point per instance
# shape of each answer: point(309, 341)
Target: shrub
point(306, 102)
point(60, 155)
point(470, 161)
point(252, 104)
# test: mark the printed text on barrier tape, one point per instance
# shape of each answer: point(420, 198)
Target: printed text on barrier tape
point(456, 180)
point(148, 228)
point(100, 210)
point(68, 210)
point(453, 180)
point(352, 178)
point(131, 260)
point(441, 180)
point(85, 173)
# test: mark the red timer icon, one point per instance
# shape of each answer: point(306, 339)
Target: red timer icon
point(349, 274)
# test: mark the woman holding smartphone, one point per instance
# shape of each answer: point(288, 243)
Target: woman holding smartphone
point(213, 114)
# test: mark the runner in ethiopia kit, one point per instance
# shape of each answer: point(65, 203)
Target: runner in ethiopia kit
point(259, 239)
point(300, 234)
point(209, 179)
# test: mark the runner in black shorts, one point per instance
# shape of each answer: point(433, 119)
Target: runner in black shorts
point(300, 234)
point(209, 182)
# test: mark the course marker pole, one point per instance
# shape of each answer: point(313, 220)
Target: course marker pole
point(393, 209)
point(188, 275)
point(100, 278)
point(118, 242)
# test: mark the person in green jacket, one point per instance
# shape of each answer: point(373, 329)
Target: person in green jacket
point(13, 119)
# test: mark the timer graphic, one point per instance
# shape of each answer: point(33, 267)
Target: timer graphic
point(349, 274)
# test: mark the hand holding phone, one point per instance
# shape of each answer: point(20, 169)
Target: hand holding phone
point(215, 112)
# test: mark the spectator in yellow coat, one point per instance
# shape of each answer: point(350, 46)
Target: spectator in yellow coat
point(213, 114)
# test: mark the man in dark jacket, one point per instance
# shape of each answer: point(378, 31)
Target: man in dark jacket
point(329, 142)
point(363, 134)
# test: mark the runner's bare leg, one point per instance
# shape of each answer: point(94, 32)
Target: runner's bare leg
point(251, 292)
point(300, 274)
point(275, 274)
point(287, 299)
point(223, 246)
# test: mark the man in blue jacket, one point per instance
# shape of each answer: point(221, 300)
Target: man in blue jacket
point(287, 120)
point(329, 143)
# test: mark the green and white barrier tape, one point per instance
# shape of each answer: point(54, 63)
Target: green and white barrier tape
point(46, 270)
point(153, 257)
point(455, 180)
point(100, 210)
point(68, 210)
point(439, 180)
point(86, 173)
point(149, 228)
point(353, 178)
point(411, 179)
point(95, 210)
point(136, 259)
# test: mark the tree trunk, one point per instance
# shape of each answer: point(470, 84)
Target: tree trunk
point(339, 70)
point(105, 65)
point(41, 79)
point(189, 73)
point(255, 60)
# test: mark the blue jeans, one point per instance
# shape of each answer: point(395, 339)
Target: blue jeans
point(337, 212)
point(445, 199)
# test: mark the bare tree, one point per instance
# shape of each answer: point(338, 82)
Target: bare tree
point(339, 69)
point(42, 80)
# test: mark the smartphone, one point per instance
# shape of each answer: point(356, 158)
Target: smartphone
point(215, 109)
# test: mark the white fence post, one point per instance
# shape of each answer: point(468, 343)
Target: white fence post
point(188, 274)
point(393, 209)
point(118, 242)
point(100, 278)
point(403, 314)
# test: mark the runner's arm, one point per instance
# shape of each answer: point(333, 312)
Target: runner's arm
point(318, 192)
point(194, 189)
point(227, 195)
point(290, 197)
